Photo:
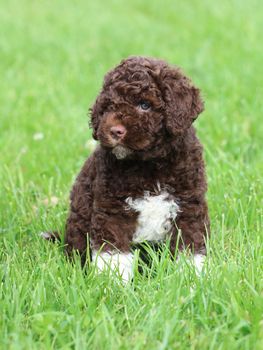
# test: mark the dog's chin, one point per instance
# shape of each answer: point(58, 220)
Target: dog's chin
point(121, 152)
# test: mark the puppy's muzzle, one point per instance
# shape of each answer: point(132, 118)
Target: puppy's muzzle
point(118, 132)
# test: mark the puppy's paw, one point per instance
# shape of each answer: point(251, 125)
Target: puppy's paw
point(50, 236)
point(198, 262)
point(120, 263)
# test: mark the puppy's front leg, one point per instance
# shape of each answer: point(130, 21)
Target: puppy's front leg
point(193, 224)
point(111, 236)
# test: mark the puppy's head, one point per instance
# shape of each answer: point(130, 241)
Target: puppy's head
point(143, 103)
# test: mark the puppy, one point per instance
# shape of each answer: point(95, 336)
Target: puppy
point(146, 179)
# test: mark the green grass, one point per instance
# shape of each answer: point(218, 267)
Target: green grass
point(53, 58)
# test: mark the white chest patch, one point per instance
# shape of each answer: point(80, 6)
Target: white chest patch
point(156, 215)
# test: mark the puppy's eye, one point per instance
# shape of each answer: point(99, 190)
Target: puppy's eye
point(144, 105)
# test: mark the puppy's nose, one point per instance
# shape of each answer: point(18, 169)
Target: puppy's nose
point(118, 132)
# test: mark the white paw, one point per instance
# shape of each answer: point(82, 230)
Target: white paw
point(198, 262)
point(50, 236)
point(46, 235)
point(120, 263)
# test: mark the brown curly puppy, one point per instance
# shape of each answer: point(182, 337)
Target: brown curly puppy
point(146, 179)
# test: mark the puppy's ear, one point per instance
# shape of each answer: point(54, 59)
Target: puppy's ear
point(182, 98)
point(95, 112)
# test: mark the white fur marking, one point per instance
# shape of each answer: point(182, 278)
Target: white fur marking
point(121, 152)
point(45, 235)
point(156, 216)
point(121, 263)
point(195, 261)
point(199, 260)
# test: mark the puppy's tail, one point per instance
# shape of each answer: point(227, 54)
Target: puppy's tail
point(53, 237)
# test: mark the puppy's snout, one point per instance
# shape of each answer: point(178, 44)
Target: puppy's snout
point(118, 132)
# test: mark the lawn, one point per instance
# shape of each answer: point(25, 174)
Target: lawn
point(53, 58)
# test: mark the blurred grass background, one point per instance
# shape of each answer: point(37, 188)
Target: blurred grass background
point(54, 55)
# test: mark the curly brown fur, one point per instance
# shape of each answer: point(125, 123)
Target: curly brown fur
point(140, 149)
